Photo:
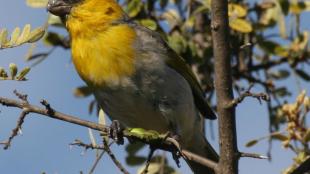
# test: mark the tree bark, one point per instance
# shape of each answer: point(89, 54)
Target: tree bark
point(228, 163)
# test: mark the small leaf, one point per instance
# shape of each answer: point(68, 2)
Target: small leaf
point(13, 70)
point(281, 92)
point(251, 143)
point(303, 74)
point(25, 34)
point(14, 36)
point(3, 73)
point(3, 37)
point(82, 91)
point(241, 25)
point(23, 73)
point(236, 10)
point(279, 136)
point(281, 74)
point(134, 7)
point(36, 34)
point(151, 24)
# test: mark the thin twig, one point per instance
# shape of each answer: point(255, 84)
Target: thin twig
point(199, 159)
point(168, 144)
point(86, 146)
point(252, 155)
point(91, 171)
point(113, 158)
point(15, 131)
point(248, 93)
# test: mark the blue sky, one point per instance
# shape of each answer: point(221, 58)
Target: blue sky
point(43, 146)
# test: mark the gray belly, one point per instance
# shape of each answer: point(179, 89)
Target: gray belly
point(153, 100)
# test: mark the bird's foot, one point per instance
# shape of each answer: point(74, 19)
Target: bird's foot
point(176, 150)
point(116, 132)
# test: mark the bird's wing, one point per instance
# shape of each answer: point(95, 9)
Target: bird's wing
point(153, 41)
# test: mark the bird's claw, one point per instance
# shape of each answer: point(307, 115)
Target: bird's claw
point(116, 132)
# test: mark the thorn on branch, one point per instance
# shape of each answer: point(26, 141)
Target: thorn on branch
point(259, 96)
point(23, 97)
point(49, 109)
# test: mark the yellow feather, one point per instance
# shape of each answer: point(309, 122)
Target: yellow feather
point(102, 53)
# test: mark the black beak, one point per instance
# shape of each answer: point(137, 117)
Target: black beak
point(59, 8)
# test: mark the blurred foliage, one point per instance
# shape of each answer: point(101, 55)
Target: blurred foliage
point(19, 37)
point(268, 45)
point(13, 73)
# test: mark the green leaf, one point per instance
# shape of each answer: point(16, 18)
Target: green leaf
point(149, 23)
point(13, 70)
point(23, 73)
point(251, 143)
point(3, 73)
point(25, 35)
point(3, 37)
point(281, 92)
point(14, 36)
point(134, 7)
point(36, 34)
point(240, 25)
point(279, 136)
point(281, 74)
point(303, 74)
point(236, 10)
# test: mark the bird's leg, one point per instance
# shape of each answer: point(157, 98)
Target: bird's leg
point(176, 150)
point(116, 132)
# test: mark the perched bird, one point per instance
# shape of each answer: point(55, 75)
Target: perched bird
point(136, 77)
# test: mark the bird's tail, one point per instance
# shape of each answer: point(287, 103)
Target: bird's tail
point(201, 147)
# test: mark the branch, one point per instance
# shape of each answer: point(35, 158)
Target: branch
point(248, 93)
point(252, 155)
point(223, 85)
point(106, 148)
point(113, 158)
point(163, 142)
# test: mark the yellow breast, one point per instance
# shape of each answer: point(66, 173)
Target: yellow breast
point(104, 57)
point(102, 53)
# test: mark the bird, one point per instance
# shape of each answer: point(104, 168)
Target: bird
point(135, 76)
